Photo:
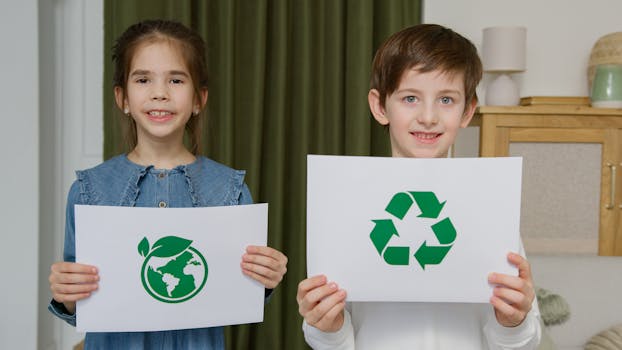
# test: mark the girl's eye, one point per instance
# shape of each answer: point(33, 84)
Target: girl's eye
point(142, 80)
point(410, 99)
point(177, 81)
point(446, 100)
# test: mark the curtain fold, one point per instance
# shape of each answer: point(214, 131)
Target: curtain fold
point(287, 78)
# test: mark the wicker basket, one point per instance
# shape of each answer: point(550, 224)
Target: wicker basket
point(606, 50)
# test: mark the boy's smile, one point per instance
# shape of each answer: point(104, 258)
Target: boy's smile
point(424, 113)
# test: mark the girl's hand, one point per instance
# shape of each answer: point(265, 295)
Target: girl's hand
point(513, 296)
point(264, 264)
point(321, 303)
point(71, 282)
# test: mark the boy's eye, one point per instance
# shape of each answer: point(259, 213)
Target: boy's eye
point(446, 100)
point(410, 99)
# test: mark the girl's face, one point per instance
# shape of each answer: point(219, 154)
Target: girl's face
point(424, 114)
point(160, 94)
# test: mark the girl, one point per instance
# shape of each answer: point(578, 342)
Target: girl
point(160, 84)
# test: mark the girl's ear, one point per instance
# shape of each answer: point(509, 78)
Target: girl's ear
point(376, 108)
point(203, 97)
point(119, 98)
point(202, 100)
point(468, 113)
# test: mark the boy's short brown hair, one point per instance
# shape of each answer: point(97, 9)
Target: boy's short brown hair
point(428, 47)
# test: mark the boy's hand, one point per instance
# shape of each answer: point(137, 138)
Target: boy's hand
point(321, 303)
point(264, 264)
point(71, 282)
point(513, 296)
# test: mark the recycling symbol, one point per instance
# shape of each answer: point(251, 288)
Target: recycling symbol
point(426, 254)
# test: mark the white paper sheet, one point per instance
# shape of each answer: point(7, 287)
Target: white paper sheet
point(119, 241)
point(350, 232)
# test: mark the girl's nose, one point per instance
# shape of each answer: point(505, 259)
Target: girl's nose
point(159, 93)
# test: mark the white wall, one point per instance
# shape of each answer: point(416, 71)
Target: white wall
point(19, 185)
point(560, 36)
point(71, 131)
point(51, 66)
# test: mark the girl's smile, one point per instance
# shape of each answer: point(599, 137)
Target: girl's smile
point(160, 116)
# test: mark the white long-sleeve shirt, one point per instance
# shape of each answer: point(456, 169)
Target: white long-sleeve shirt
point(394, 325)
point(428, 326)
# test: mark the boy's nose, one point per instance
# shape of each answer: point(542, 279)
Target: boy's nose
point(428, 116)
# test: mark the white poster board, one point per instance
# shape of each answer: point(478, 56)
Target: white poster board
point(405, 229)
point(173, 268)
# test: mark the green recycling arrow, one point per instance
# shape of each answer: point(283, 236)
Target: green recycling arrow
point(381, 235)
point(429, 255)
point(428, 203)
point(398, 206)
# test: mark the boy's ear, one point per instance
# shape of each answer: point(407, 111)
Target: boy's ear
point(468, 113)
point(377, 110)
point(119, 97)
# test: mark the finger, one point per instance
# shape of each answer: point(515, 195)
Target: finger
point(269, 271)
point(334, 312)
point(315, 296)
point(63, 298)
point(524, 269)
point(72, 278)
point(63, 293)
point(266, 251)
point(309, 284)
point(272, 264)
point(508, 312)
point(332, 320)
point(67, 289)
point(267, 282)
point(320, 313)
point(262, 260)
point(70, 267)
point(508, 281)
point(511, 297)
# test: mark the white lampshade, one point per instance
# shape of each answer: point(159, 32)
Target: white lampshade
point(503, 53)
point(503, 49)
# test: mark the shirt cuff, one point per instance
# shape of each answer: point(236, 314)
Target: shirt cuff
point(341, 339)
point(59, 310)
point(528, 332)
point(267, 295)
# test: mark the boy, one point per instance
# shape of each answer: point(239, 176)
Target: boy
point(423, 90)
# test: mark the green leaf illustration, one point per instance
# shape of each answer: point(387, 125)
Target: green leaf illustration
point(169, 246)
point(143, 247)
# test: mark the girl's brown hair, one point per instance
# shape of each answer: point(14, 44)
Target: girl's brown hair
point(192, 49)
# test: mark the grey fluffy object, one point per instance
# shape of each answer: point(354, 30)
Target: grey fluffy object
point(554, 309)
point(610, 339)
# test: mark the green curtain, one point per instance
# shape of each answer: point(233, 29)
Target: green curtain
point(287, 78)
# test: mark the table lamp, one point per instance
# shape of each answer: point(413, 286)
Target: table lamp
point(503, 53)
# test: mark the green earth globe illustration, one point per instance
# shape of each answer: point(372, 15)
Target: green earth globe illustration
point(172, 271)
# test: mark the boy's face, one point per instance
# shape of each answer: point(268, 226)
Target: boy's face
point(424, 113)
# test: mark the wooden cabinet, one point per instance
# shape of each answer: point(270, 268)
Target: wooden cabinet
point(564, 127)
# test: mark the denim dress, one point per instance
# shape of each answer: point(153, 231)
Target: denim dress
point(120, 182)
